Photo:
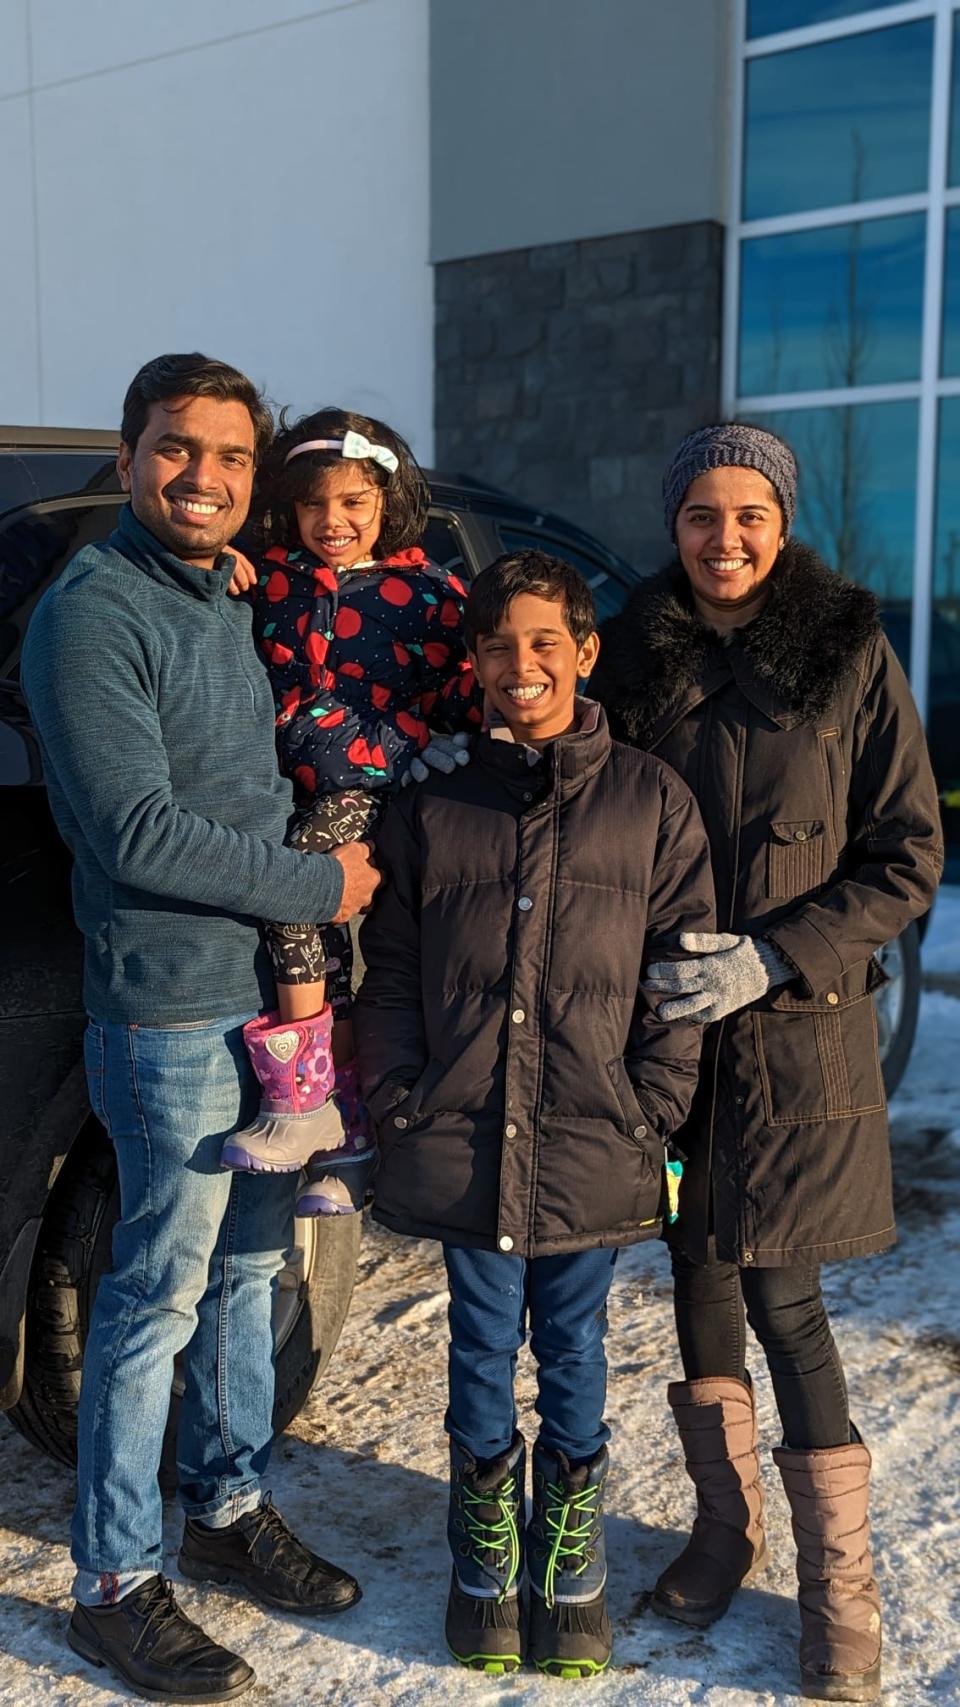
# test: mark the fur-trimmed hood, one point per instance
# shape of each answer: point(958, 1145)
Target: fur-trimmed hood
point(799, 651)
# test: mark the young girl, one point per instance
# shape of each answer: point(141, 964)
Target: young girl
point(363, 639)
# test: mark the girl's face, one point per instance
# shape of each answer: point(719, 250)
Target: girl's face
point(729, 531)
point(341, 519)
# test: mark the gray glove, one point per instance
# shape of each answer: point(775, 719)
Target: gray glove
point(729, 972)
point(442, 753)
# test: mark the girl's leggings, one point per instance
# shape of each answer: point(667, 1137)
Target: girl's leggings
point(785, 1309)
point(311, 953)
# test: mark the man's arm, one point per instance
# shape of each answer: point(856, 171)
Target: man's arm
point(388, 1016)
point(93, 706)
point(663, 1059)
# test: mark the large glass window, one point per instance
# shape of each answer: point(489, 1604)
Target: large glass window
point(950, 353)
point(766, 17)
point(838, 306)
point(843, 121)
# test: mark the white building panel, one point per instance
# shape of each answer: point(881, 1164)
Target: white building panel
point(19, 376)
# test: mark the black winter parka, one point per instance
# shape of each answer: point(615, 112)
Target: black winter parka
point(521, 1083)
point(802, 746)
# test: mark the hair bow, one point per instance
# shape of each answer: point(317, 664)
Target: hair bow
point(356, 446)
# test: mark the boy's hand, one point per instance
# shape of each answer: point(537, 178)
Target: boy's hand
point(244, 574)
point(728, 972)
point(361, 880)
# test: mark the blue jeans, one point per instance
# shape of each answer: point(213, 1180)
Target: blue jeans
point(492, 1298)
point(196, 1255)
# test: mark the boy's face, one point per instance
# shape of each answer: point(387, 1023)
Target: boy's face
point(529, 668)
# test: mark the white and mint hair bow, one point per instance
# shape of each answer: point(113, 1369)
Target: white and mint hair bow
point(356, 446)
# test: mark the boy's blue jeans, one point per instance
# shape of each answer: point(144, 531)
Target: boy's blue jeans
point(196, 1255)
point(493, 1296)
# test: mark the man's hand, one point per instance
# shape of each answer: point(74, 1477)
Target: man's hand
point(244, 574)
point(361, 880)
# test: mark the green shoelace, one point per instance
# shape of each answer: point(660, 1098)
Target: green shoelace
point(571, 1524)
point(498, 1535)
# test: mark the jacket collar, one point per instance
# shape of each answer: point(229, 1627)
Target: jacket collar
point(658, 659)
point(135, 542)
point(566, 763)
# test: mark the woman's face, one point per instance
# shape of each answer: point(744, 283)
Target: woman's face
point(341, 519)
point(729, 531)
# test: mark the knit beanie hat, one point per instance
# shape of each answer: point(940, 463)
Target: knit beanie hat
point(731, 444)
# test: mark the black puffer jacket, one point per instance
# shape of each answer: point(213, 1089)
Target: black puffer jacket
point(522, 1088)
point(802, 746)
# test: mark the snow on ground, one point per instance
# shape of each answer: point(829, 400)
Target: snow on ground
point(362, 1473)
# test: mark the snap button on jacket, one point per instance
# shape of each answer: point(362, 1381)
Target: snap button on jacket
point(536, 1083)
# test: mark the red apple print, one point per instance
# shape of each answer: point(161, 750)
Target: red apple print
point(302, 623)
point(427, 702)
point(276, 554)
point(326, 581)
point(380, 695)
point(351, 669)
point(457, 585)
point(450, 614)
point(306, 776)
point(395, 591)
point(281, 654)
point(278, 587)
point(358, 752)
point(436, 653)
point(316, 648)
point(401, 654)
point(474, 715)
point(348, 623)
point(378, 757)
point(332, 719)
point(291, 700)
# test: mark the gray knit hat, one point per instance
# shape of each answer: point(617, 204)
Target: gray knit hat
point(731, 444)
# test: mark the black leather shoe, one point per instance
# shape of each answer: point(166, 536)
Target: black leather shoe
point(262, 1555)
point(148, 1643)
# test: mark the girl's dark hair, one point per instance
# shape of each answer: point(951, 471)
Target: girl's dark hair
point(535, 572)
point(280, 484)
point(193, 375)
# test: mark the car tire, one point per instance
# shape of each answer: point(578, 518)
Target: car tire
point(898, 1004)
point(73, 1251)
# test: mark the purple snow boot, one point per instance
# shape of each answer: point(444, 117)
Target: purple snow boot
point(297, 1114)
point(338, 1184)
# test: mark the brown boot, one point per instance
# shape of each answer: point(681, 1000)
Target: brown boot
point(839, 1603)
point(717, 1421)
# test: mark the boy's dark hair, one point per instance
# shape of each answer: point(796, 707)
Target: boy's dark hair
point(406, 493)
point(193, 375)
point(535, 572)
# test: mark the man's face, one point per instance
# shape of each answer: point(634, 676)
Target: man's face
point(530, 666)
point(191, 476)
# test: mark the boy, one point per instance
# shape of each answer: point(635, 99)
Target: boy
point(524, 1089)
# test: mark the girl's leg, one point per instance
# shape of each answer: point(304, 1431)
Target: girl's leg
point(708, 1308)
point(786, 1311)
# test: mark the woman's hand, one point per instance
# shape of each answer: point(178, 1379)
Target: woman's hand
point(725, 973)
point(244, 574)
point(442, 753)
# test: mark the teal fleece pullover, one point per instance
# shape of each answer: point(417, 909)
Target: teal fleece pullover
point(156, 722)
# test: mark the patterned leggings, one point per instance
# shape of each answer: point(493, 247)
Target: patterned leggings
point(308, 954)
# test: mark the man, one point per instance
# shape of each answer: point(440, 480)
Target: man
point(156, 722)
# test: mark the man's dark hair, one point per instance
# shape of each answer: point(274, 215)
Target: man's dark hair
point(193, 375)
point(534, 572)
point(281, 484)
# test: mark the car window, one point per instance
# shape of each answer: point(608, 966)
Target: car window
point(609, 592)
point(443, 544)
point(35, 544)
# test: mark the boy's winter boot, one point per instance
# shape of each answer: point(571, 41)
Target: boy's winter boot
point(570, 1632)
point(485, 1531)
point(297, 1117)
point(717, 1421)
point(840, 1635)
point(338, 1182)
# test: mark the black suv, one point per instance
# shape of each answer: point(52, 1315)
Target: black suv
point(58, 1192)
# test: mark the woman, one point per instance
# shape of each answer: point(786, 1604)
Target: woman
point(766, 681)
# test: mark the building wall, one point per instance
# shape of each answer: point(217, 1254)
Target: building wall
point(566, 372)
point(557, 120)
point(239, 177)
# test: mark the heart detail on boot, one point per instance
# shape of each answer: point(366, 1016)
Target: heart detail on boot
point(284, 1046)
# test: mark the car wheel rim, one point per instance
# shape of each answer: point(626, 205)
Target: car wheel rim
point(889, 998)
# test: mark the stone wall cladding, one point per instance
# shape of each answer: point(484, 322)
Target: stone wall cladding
point(567, 373)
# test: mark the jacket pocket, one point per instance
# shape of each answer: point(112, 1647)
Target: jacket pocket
point(404, 1113)
point(794, 858)
point(637, 1124)
point(819, 1063)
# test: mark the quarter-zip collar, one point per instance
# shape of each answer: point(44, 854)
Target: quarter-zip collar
point(135, 542)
